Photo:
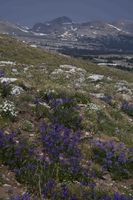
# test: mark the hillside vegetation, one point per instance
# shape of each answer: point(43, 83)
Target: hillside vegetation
point(66, 127)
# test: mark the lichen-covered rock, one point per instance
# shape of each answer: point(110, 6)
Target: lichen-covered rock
point(97, 95)
point(123, 87)
point(16, 90)
point(8, 80)
point(15, 71)
point(96, 77)
point(69, 72)
point(127, 97)
point(7, 63)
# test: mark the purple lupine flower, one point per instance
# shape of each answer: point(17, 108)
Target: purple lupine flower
point(2, 74)
point(48, 188)
point(122, 157)
point(113, 156)
point(65, 193)
point(25, 196)
point(107, 99)
point(60, 142)
point(73, 197)
point(127, 107)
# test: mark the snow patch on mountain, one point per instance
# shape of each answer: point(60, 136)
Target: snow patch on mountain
point(118, 29)
point(39, 34)
point(23, 30)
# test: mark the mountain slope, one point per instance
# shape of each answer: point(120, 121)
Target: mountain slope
point(65, 126)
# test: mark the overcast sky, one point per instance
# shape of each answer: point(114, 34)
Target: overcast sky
point(28, 12)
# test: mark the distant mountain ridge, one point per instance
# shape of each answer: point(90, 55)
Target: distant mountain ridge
point(66, 23)
point(12, 29)
point(65, 35)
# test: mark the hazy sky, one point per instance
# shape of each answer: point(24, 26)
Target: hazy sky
point(32, 11)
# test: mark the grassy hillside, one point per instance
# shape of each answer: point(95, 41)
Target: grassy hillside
point(66, 126)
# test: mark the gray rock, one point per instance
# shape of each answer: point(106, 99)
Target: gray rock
point(97, 95)
point(127, 97)
point(96, 77)
point(8, 80)
point(16, 90)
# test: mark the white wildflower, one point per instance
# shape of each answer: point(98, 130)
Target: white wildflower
point(93, 106)
point(8, 109)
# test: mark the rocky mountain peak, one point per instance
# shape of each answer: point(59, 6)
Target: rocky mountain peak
point(61, 20)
